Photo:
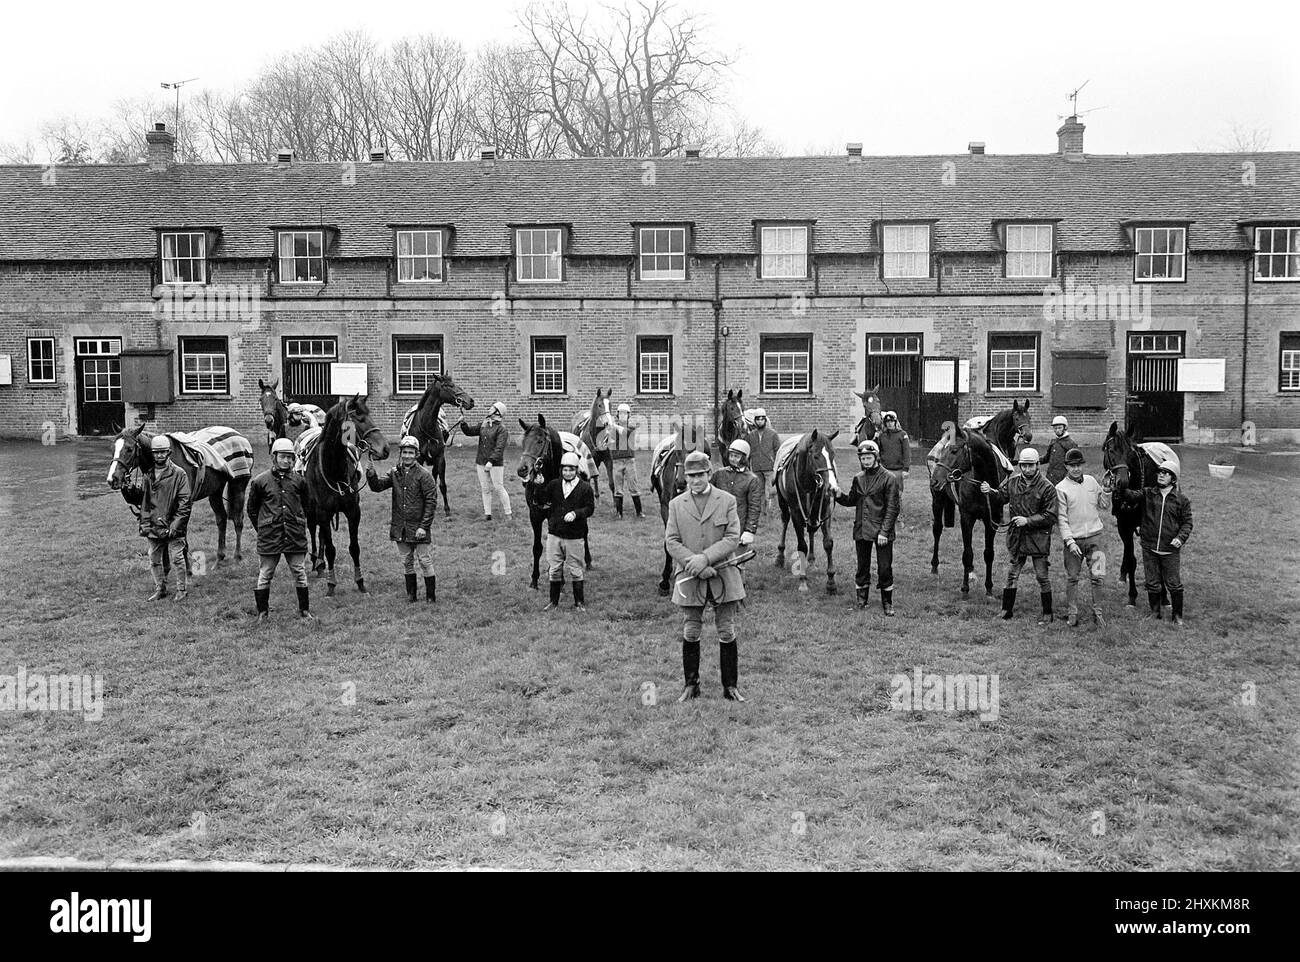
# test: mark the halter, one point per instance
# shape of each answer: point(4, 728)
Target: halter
point(957, 476)
point(805, 504)
point(345, 490)
point(537, 475)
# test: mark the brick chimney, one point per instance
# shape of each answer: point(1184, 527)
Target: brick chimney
point(378, 155)
point(162, 147)
point(1069, 138)
point(853, 152)
point(976, 148)
point(693, 153)
point(487, 156)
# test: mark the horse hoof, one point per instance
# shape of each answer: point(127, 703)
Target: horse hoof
point(988, 593)
point(965, 589)
point(803, 587)
point(329, 591)
point(780, 561)
point(533, 586)
point(663, 591)
point(934, 569)
point(361, 586)
point(832, 590)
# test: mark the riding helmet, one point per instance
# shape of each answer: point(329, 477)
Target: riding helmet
point(282, 446)
point(160, 443)
point(1074, 456)
point(872, 446)
point(570, 460)
point(1028, 456)
point(740, 446)
point(409, 442)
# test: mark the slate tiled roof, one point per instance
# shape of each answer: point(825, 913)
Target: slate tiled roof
point(113, 211)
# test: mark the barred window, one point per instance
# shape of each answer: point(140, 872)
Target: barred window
point(1013, 362)
point(654, 365)
point(548, 365)
point(302, 257)
point(786, 364)
point(1161, 252)
point(663, 253)
point(419, 256)
point(539, 254)
point(184, 258)
point(1277, 253)
point(40, 360)
point(204, 365)
point(907, 250)
point(785, 252)
point(415, 361)
point(1289, 379)
point(1029, 250)
point(894, 344)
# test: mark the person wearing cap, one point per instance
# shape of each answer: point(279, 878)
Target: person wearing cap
point(895, 448)
point(703, 531)
point(1058, 448)
point(763, 443)
point(163, 497)
point(876, 496)
point(415, 501)
point(568, 502)
point(622, 453)
point(743, 485)
point(1081, 504)
point(1034, 509)
point(490, 461)
point(1166, 526)
point(278, 503)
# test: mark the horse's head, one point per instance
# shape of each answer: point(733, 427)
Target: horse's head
point(732, 424)
point(536, 449)
point(972, 451)
point(871, 423)
point(1119, 454)
point(816, 454)
point(365, 434)
point(130, 451)
point(1020, 427)
point(447, 391)
point(274, 411)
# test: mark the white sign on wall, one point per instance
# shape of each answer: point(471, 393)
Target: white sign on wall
point(963, 377)
point(937, 377)
point(1201, 373)
point(348, 379)
point(6, 369)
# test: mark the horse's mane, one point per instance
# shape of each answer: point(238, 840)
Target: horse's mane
point(333, 454)
point(1001, 431)
point(425, 422)
point(984, 464)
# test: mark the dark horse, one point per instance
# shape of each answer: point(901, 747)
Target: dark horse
point(871, 424)
point(275, 413)
point(334, 477)
point(224, 492)
point(538, 466)
point(731, 425)
point(1127, 464)
point(970, 461)
point(668, 480)
point(425, 427)
point(805, 490)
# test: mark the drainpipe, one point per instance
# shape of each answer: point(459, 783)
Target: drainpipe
point(717, 337)
point(1245, 332)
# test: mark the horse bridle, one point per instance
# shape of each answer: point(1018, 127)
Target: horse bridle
point(539, 459)
point(819, 483)
point(346, 490)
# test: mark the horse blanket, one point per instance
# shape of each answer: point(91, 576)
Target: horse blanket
point(784, 451)
point(217, 449)
point(660, 452)
point(313, 416)
point(409, 418)
point(575, 444)
point(1161, 452)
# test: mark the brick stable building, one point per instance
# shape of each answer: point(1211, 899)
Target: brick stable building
point(1159, 287)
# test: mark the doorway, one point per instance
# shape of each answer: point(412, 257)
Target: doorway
point(1154, 404)
point(100, 409)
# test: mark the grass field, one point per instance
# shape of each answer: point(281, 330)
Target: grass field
point(483, 732)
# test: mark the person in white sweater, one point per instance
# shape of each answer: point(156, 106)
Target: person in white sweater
point(1082, 502)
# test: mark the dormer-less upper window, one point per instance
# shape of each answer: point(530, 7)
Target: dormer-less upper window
point(1277, 253)
point(184, 257)
point(1161, 253)
point(302, 257)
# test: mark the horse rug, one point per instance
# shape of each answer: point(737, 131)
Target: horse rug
point(409, 418)
point(219, 449)
point(784, 451)
point(1158, 451)
point(573, 443)
point(306, 443)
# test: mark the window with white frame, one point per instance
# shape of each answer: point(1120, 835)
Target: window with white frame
point(907, 250)
point(654, 365)
point(184, 257)
point(663, 253)
point(204, 365)
point(786, 364)
point(894, 344)
point(1156, 343)
point(1029, 250)
point(302, 257)
point(419, 256)
point(415, 361)
point(1277, 253)
point(539, 254)
point(784, 252)
point(1013, 362)
point(548, 365)
point(1289, 363)
point(1161, 253)
point(40, 360)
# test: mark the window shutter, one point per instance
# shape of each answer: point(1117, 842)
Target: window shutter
point(1079, 379)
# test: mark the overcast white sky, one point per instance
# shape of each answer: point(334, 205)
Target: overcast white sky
point(913, 77)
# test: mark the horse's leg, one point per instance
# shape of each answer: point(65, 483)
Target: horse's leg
point(586, 553)
point(536, 518)
point(801, 554)
point(936, 528)
point(219, 512)
point(236, 498)
point(990, 539)
point(1129, 566)
point(664, 587)
point(785, 526)
point(327, 547)
point(354, 546)
point(967, 551)
point(828, 543)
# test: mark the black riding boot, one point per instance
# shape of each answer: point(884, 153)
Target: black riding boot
point(579, 595)
point(304, 603)
point(1046, 617)
point(262, 597)
point(636, 503)
point(887, 601)
point(431, 588)
point(410, 587)
point(556, 588)
point(729, 659)
point(1008, 603)
point(863, 595)
point(618, 504)
point(1153, 599)
point(690, 670)
point(1176, 599)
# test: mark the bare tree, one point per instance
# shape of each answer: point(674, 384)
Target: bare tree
point(71, 140)
point(508, 104)
point(17, 153)
point(1241, 139)
point(426, 86)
